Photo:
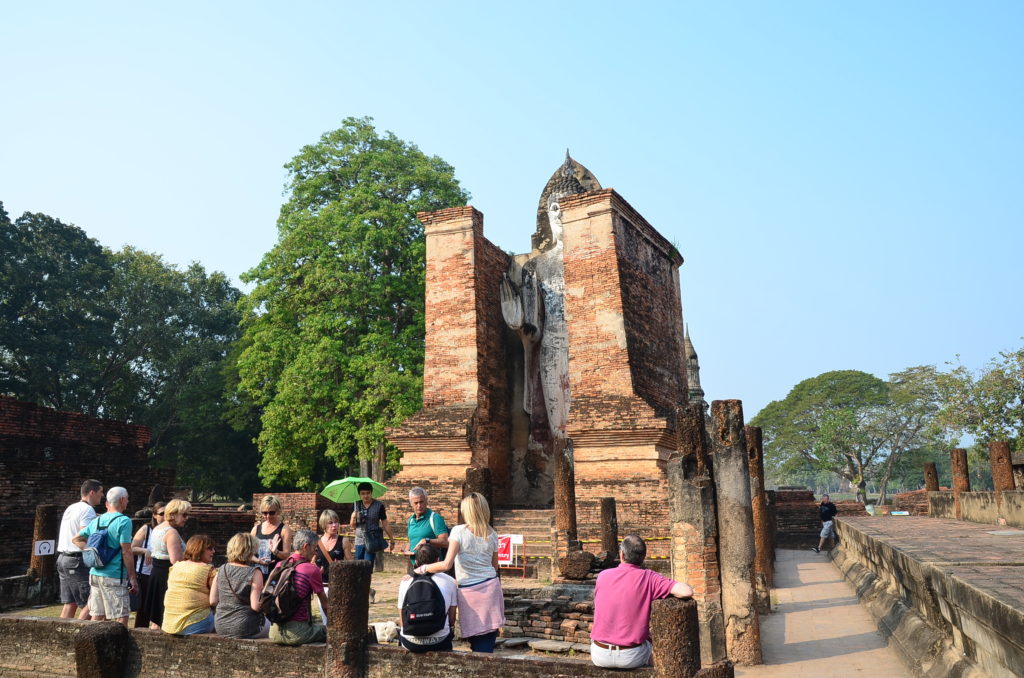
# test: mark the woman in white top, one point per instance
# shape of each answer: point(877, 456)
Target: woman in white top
point(473, 548)
point(142, 550)
point(166, 548)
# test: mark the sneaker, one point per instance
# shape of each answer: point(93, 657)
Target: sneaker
point(816, 549)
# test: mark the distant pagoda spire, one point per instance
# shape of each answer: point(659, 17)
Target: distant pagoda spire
point(692, 368)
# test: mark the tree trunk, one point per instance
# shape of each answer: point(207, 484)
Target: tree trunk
point(379, 462)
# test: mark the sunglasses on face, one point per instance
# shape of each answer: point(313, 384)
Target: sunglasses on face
point(160, 513)
point(269, 513)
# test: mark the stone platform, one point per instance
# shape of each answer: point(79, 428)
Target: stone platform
point(948, 594)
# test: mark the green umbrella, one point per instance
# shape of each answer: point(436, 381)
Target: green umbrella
point(345, 490)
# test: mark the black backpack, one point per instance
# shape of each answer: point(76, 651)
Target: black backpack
point(279, 600)
point(423, 610)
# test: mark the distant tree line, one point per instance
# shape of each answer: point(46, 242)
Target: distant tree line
point(124, 335)
point(854, 429)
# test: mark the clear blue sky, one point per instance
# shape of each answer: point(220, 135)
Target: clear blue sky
point(844, 179)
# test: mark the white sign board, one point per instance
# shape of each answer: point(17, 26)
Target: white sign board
point(44, 547)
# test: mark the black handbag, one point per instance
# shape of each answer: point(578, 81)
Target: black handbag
point(375, 542)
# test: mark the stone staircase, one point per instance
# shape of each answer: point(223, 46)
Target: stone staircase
point(536, 526)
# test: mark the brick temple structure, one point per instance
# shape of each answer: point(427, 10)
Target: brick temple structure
point(556, 369)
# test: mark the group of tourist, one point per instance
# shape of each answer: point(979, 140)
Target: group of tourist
point(173, 586)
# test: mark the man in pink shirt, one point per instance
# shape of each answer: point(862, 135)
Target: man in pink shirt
point(620, 637)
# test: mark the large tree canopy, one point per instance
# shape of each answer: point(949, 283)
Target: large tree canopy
point(332, 347)
point(123, 335)
point(852, 424)
point(988, 404)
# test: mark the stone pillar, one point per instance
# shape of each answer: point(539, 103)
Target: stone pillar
point(694, 528)
point(47, 526)
point(759, 511)
point(609, 529)
point(773, 531)
point(931, 477)
point(735, 532)
point(348, 612)
point(1002, 470)
point(478, 479)
point(101, 650)
point(722, 669)
point(675, 636)
point(961, 479)
point(565, 498)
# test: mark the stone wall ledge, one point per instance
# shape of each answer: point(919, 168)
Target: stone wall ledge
point(947, 595)
point(35, 646)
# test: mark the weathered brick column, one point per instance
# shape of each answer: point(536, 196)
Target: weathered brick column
point(759, 511)
point(565, 498)
point(675, 637)
point(609, 527)
point(46, 526)
point(931, 477)
point(961, 479)
point(735, 532)
point(1002, 470)
point(348, 608)
point(694, 529)
point(101, 650)
point(478, 479)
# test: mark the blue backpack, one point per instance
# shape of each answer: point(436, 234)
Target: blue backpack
point(98, 551)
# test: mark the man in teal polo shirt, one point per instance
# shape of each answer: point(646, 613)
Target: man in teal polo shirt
point(425, 526)
point(111, 584)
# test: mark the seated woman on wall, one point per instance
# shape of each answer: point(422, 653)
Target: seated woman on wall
point(187, 602)
point(236, 589)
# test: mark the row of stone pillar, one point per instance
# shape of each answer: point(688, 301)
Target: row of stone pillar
point(722, 532)
point(1002, 473)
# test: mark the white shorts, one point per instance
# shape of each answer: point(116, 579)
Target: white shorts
point(108, 597)
point(828, 530)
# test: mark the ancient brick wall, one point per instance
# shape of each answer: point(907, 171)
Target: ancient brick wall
point(33, 648)
point(45, 455)
point(491, 427)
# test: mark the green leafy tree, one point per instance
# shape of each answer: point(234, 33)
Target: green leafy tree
point(54, 319)
point(333, 331)
point(822, 423)
point(123, 336)
point(989, 404)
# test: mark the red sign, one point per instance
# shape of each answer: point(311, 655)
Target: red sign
point(504, 549)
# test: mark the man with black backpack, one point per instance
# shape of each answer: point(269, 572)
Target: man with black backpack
point(106, 545)
point(427, 602)
point(289, 591)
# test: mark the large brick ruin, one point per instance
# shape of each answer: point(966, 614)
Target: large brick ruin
point(581, 388)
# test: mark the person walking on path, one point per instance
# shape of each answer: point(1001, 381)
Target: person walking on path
point(473, 548)
point(110, 586)
point(827, 512)
point(621, 634)
point(73, 575)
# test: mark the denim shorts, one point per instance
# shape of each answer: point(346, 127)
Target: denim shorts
point(74, 580)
